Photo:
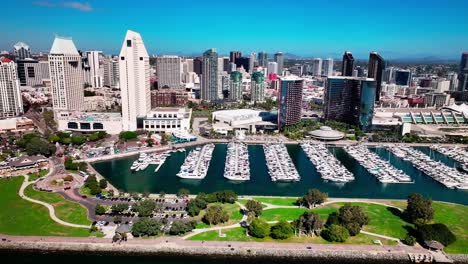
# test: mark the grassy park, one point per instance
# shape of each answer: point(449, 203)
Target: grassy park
point(234, 214)
point(20, 217)
point(65, 210)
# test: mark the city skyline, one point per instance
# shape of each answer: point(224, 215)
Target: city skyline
point(191, 29)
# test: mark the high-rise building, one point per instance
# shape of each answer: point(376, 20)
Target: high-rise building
point(317, 67)
point(252, 61)
point(11, 104)
point(226, 66)
point(21, 51)
point(257, 87)
point(134, 80)
point(375, 70)
point(327, 66)
point(66, 76)
point(262, 59)
point(209, 80)
point(168, 69)
point(235, 86)
point(347, 66)
point(198, 65)
point(279, 58)
point(111, 72)
point(35, 72)
point(95, 68)
point(243, 62)
point(453, 78)
point(273, 67)
point(463, 75)
point(403, 77)
point(350, 100)
point(233, 55)
point(389, 75)
point(289, 101)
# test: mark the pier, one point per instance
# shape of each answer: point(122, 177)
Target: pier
point(280, 165)
point(237, 167)
point(196, 163)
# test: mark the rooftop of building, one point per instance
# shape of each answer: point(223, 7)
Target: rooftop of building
point(350, 78)
point(170, 109)
point(20, 45)
point(237, 112)
point(63, 45)
point(326, 133)
point(290, 78)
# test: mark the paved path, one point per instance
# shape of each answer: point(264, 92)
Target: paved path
point(51, 209)
point(381, 236)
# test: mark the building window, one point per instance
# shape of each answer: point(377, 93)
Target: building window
point(129, 42)
point(86, 126)
point(141, 58)
point(98, 126)
point(122, 58)
point(72, 125)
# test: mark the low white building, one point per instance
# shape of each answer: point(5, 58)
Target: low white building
point(167, 120)
point(89, 122)
point(242, 119)
point(16, 124)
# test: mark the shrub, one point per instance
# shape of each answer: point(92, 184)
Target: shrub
point(99, 209)
point(127, 135)
point(146, 227)
point(254, 207)
point(438, 232)
point(215, 215)
point(181, 227)
point(259, 228)
point(103, 184)
point(281, 230)
point(335, 233)
point(409, 240)
point(68, 178)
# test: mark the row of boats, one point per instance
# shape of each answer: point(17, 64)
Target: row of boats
point(327, 165)
point(456, 153)
point(437, 170)
point(279, 163)
point(149, 159)
point(196, 163)
point(237, 167)
point(381, 169)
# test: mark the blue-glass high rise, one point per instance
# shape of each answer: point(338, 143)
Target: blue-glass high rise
point(289, 101)
point(463, 75)
point(209, 79)
point(403, 77)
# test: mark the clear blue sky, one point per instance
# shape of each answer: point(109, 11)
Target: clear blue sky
point(396, 28)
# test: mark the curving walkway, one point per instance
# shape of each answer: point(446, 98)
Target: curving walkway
point(51, 209)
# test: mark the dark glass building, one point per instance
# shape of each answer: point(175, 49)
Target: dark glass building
point(463, 76)
point(263, 59)
point(209, 79)
point(403, 77)
point(243, 62)
point(350, 100)
point(347, 66)
point(289, 101)
point(197, 65)
point(279, 58)
point(234, 55)
point(375, 71)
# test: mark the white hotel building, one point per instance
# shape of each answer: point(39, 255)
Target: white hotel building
point(11, 104)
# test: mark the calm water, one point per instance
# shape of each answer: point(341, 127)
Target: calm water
point(365, 185)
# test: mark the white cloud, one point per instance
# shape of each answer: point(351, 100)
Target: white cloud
point(84, 7)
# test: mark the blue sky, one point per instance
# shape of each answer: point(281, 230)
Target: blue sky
point(396, 28)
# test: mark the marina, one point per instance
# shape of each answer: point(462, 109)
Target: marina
point(327, 165)
point(280, 165)
point(144, 160)
point(449, 177)
point(237, 166)
point(381, 169)
point(456, 153)
point(195, 166)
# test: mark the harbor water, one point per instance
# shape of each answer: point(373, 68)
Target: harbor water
point(365, 184)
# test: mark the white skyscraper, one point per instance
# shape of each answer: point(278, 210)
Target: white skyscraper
point(22, 51)
point(134, 74)
point(169, 71)
point(66, 76)
point(317, 67)
point(96, 74)
point(10, 97)
point(111, 72)
point(253, 58)
point(272, 67)
point(328, 67)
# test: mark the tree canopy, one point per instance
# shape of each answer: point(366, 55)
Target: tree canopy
point(146, 227)
point(335, 233)
point(255, 207)
point(215, 215)
point(281, 230)
point(259, 228)
point(309, 223)
point(145, 208)
point(312, 198)
point(419, 208)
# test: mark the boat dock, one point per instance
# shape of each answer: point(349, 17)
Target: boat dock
point(456, 153)
point(279, 163)
point(144, 160)
point(449, 177)
point(381, 169)
point(329, 168)
point(196, 163)
point(237, 166)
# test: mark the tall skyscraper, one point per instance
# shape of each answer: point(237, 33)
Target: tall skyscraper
point(243, 62)
point(289, 101)
point(233, 55)
point(11, 104)
point(66, 76)
point(198, 65)
point(134, 74)
point(257, 87)
point(235, 86)
point(209, 80)
point(327, 65)
point(262, 59)
point(95, 68)
point(272, 67)
point(463, 76)
point(252, 61)
point(317, 67)
point(350, 100)
point(347, 66)
point(389, 75)
point(111, 72)
point(22, 51)
point(403, 77)
point(279, 58)
point(168, 69)
point(375, 70)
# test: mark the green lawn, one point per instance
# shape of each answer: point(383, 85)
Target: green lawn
point(38, 175)
point(65, 210)
point(234, 212)
point(455, 216)
point(277, 200)
point(20, 217)
point(277, 214)
point(238, 234)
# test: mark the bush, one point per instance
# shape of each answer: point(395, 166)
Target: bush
point(99, 209)
point(127, 135)
point(335, 233)
point(259, 228)
point(281, 230)
point(255, 207)
point(215, 215)
point(195, 206)
point(181, 227)
point(332, 219)
point(68, 178)
point(146, 227)
point(409, 240)
point(103, 184)
point(438, 232)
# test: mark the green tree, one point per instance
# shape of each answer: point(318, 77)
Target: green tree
point(119, 208)
point(409, 240)
point(99, 209)
point(419, 208)
point(37, 145)
point(195, 206)
point(103, 183)
point(335, 233)
point(183, 193)
point(332, 219)
point(128, 135)
point(309, 223)
point(215, 215)
point(150, 142)
point(255, 207)
point(181, 227)
point(145, 208)
point(352, 217)
point(259, 228)
point(281, 230)
point(94, 189)
point(146, 227)
point(312, 198)
point(78, 140)
point(53, 138)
